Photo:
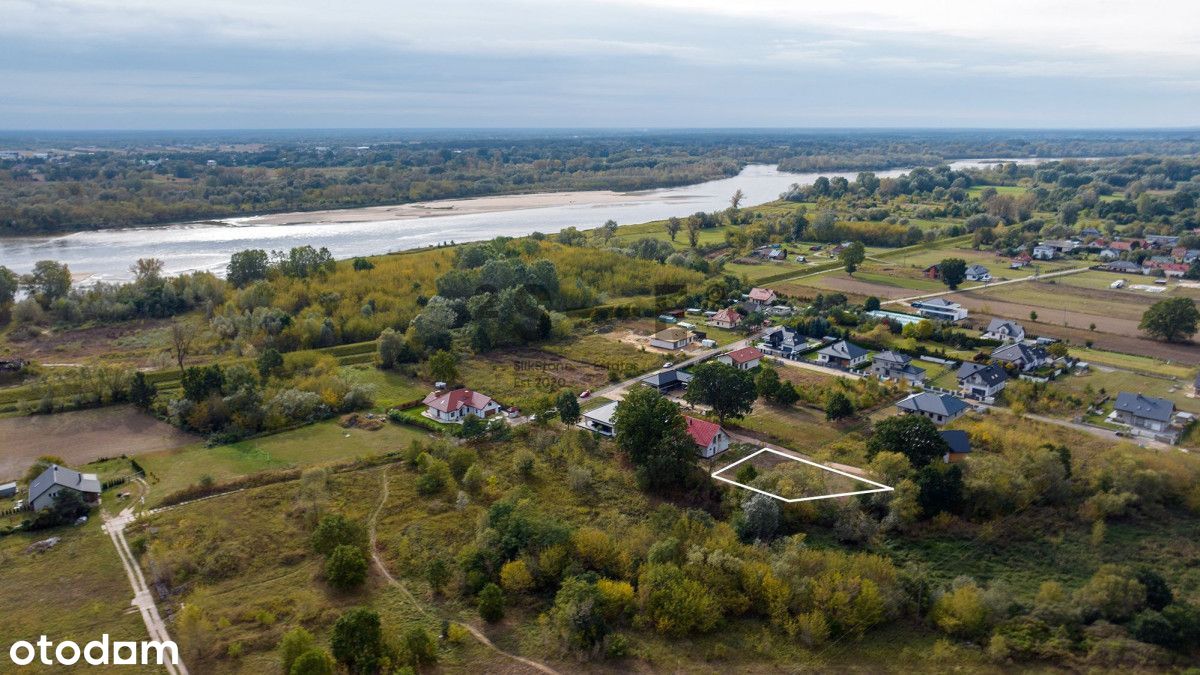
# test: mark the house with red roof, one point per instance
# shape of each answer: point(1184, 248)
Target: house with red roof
point(726, 318)
point(746, 358)
point(710, 438)
point(761, 297)
point(1121, 245)
point(455, 405)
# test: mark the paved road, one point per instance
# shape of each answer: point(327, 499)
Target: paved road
point(1038, 277)
point(143, 599)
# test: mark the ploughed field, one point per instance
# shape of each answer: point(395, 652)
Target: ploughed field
point(83, 436)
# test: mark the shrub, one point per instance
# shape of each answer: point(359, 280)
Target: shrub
point(336, 530)
point(346, 568)
point(491, 603)
point(515, 577)
point(294, 643)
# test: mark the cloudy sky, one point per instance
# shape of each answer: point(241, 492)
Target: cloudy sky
point(171, 64)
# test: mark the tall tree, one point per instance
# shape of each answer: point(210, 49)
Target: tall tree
point(673, 225)
point(246, 267)
point(568, 408)
point(693, 231)
point(735, 201)
point(9, 283)
point(653, 434)
point(357, 640)
point(608, 230)
point(1173, 319)
point(914, 436)
point(443, 366)
point(853, 256)
point(49, 281)
point(953, 271)
point(728, 391)
point(182, 337)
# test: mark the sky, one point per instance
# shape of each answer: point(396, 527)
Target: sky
point(213, 64)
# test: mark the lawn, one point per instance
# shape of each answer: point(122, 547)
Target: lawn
point(391, 389)
point(1122, 380)
point(321, 443)
point(515, 377)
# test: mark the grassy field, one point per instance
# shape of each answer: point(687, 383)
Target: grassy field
point(391, 388)
point(605, 352)
point(76, 590)
point(321, 443)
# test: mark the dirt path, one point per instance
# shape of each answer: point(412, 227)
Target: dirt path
point(143, 599)
point(939, 294)
point(392, 581)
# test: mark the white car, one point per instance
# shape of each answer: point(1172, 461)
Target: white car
point(669, 364)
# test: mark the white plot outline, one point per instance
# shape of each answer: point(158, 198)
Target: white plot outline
point(879, 487)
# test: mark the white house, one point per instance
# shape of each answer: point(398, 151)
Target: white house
point(981, 381)
point(760, 297)
point(842, 353)
point(710, 438)
point(671, 338)
point(978, 273)
point(942, 310)
point(455, 405)
point(1004, 330)
point(746, 358)
point(1045, 252)
point(56, 479)
point(726, 318)
point(600, 419)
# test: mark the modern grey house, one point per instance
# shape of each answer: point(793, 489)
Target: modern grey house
point(843, 354)
point(600, 420)
point(940, 310)
point(940, 408)
point(895, 366)
point(788, 342)
point(8, 490)
point(1147, 416)
point(978, 273)
point(56, 479)
point(981, 381)
point(666, 381)
point(1004, 330)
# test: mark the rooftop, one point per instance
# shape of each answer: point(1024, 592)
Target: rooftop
point(1150, 407)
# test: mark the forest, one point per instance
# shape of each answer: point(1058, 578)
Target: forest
point(60, 183)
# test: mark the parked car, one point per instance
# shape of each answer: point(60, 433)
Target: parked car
point(669, 364)
point(586, 393)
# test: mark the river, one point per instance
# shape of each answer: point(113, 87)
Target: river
point(206, 245)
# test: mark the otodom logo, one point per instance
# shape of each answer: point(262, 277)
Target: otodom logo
point(102, 652)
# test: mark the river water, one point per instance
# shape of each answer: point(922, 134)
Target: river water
point(106, 255)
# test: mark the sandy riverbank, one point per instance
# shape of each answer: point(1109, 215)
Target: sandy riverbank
point(442, 207)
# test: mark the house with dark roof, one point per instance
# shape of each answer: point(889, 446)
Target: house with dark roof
point(710, 438)
point(8, 490)
point(842, 354)
point(600, 420)
point(978, 273)
point(1122, 267)
point(746, 358)
point(1023, 356)
point(1004, 330)
point(940, 408)
point(1144, 412)
point(787, 341)
point(454, 406)
point(56, 479)
point(891, 365)
point(958, 444)
point(981, 381)
point(666, 381)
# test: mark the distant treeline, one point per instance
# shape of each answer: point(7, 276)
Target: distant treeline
point(76, 183)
